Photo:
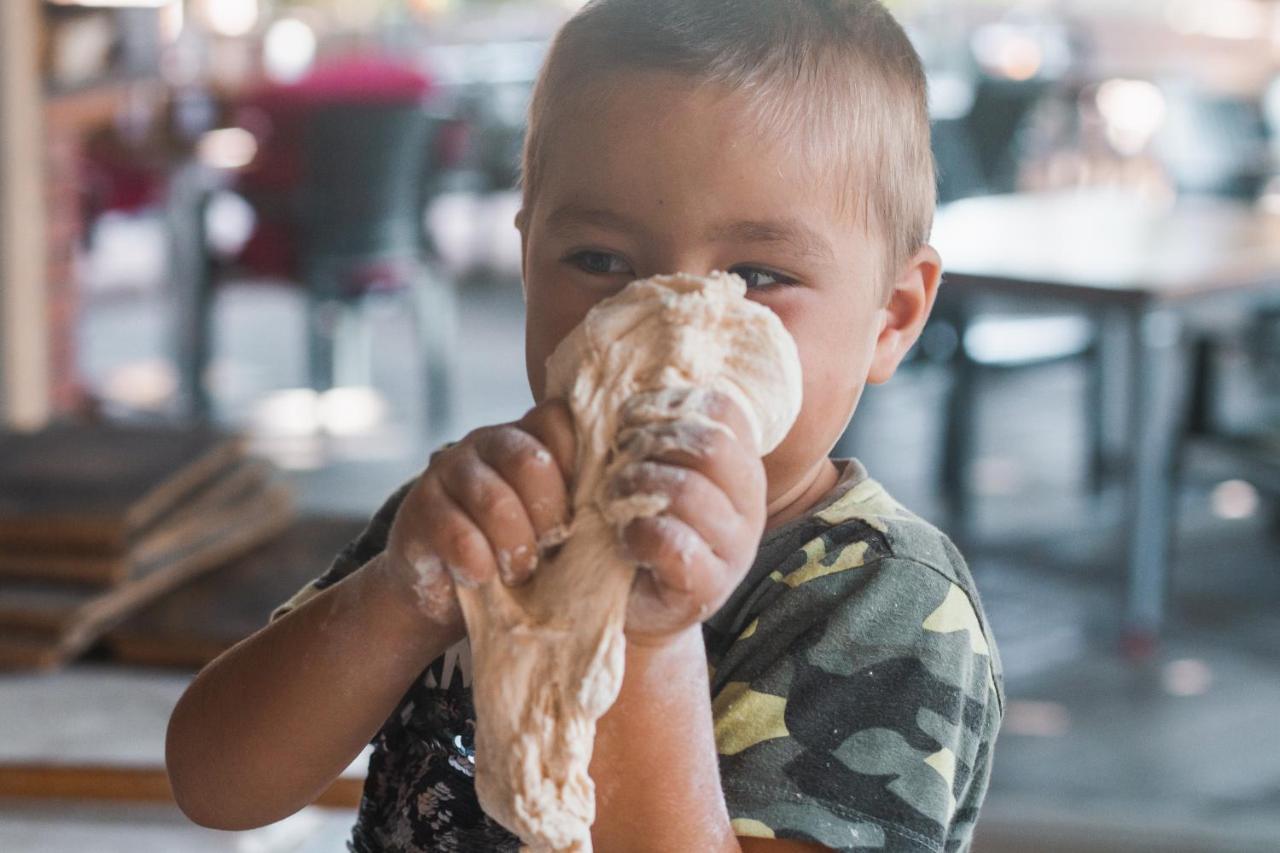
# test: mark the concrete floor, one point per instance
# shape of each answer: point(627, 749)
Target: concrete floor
point(1177, 753)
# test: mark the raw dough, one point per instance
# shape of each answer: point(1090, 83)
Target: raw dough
point(548, 656)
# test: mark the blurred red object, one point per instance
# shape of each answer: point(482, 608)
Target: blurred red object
point(117, 179)
point(368, 79)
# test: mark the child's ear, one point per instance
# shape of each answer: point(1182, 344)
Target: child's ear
point(522, 225)
point(903, 316)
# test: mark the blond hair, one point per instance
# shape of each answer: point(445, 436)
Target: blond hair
point(843, 72)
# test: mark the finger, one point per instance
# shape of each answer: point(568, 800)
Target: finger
point(455, 538)
point(712, 452)
point(526, 465)
point(551, 423)
point(678, 557)
point(659, 611)
point(494, 509)
point(681, 580)
point(686, 404)
point(698, 502)
point(722, 409)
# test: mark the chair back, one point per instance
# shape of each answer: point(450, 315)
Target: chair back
point(365, 173)
point(960, 173)
point(1216, 144)
point(1000, 109)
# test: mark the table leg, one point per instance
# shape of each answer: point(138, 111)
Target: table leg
point(1158, 368)
point(1108, 399)
point(958, 438)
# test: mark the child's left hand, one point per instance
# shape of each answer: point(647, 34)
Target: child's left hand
point(695, 553)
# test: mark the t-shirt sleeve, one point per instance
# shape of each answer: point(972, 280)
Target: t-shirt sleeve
point(369, 544)
point(860, 708)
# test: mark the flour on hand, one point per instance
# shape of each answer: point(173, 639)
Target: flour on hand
point(548, 655)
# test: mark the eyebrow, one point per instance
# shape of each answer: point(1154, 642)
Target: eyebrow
point(782, 232)
point(568, 215)
point(779, 232)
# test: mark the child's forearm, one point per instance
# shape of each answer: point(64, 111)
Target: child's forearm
point(268, 725)
point(655, 766)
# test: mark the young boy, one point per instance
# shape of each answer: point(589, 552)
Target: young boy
point(845, 693)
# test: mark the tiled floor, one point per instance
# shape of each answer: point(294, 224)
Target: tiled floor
point(1177, 753)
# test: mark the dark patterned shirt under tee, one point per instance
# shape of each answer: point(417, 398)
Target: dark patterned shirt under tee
point(856, 695)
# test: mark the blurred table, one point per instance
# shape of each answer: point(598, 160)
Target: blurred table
point(82, 767)
point(1158, 270)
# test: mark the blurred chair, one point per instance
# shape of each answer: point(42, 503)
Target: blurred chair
point(1249, 446)
point(960, 174)
point(1216, 144)
point(994, 124)
point(357, 216)
point(988, 345)
point(1225, 146)
point(974, 155)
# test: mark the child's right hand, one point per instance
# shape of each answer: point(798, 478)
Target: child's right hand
point(483, 507)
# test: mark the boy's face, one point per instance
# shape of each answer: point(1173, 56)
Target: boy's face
point(652, 175)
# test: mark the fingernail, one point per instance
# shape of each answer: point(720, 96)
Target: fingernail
point(527, 559)
point(517, 565)
point(554, 538)
point(522, 555)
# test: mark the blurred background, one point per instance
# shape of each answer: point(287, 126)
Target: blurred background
point(291, 221)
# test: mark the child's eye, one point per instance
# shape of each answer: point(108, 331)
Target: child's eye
point(598, 263)
point(758, 277)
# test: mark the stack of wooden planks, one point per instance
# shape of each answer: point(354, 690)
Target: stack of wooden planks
point(98, 521)
point(197, 622)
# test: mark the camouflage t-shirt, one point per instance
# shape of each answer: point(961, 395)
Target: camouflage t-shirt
point(856, 695)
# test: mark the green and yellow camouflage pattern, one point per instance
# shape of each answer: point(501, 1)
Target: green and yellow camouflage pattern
point(857, 690)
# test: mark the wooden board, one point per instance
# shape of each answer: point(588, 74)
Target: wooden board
point(94, 488)
point(44, 625)
point(171, 534)
point(194, 624)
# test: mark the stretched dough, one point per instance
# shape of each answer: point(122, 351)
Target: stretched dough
point(548, 656)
